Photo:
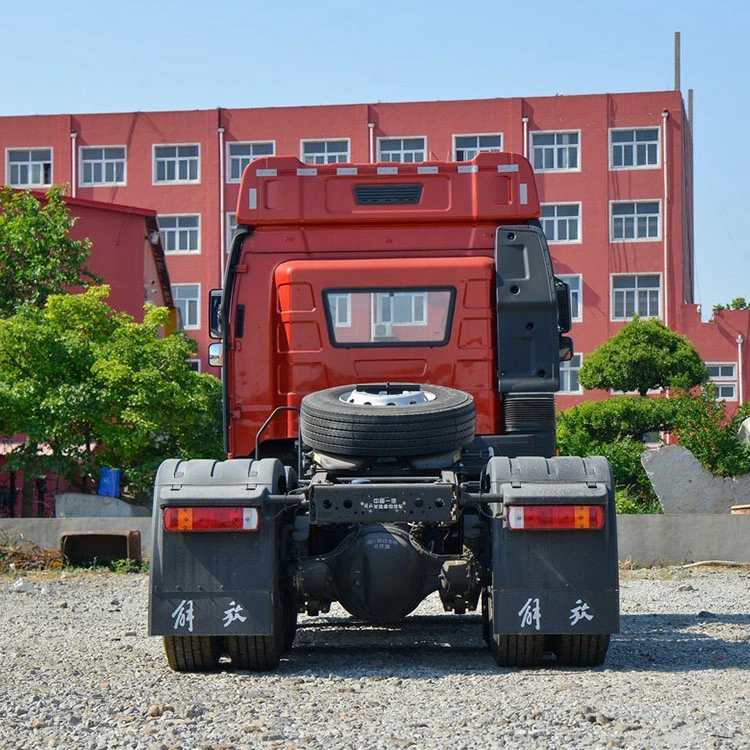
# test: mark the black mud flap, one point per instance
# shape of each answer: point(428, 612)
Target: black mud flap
point(554, 582)
point(215, 582)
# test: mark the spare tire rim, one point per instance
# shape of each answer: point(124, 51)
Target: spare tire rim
point(387, 395)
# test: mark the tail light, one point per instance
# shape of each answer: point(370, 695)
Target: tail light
point(555, 517)
point(221, 518)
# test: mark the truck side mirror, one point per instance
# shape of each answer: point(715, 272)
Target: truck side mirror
point(215, 354)
point(562, 291)
point(214, 313)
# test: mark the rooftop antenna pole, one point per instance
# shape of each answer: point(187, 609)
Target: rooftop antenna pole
point(677, 61)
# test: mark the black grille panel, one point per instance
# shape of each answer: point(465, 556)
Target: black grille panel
point(387, 194)
point(529, 412)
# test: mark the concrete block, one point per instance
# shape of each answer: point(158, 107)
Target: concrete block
point(79, 505)
point(684, 486)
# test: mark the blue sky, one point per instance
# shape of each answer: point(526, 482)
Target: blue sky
point(98, 56)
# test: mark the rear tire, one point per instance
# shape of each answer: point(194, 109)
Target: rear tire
point(193, 653)
point(257, 653)
point(290, 622)
point(581, 650)
point(262, 653)
point(486, 619)
point(512, 650)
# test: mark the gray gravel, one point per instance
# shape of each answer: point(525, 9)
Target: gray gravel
point(79, 671)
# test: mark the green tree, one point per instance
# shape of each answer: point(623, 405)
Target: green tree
point(37, 257)
point(643, 355)
point(615, 428)
point(738, 303)
point(701, 426)
point(90, 387)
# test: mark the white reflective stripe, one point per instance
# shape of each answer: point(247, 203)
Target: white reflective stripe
point(346, 170)
point(524, 193)
point(467, 168)
point(515, 517)
point(266, 173)
point(307, 172)
point(387, 170)
point(253, 198)
point(427, 170)
point(507, 167)
point(250, 518)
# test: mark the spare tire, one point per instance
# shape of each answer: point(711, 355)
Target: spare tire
point(387, 419)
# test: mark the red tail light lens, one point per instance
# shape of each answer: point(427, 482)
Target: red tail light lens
point(211, 519)
point(555, 517)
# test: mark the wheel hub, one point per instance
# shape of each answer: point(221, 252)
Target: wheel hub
point(386, 395)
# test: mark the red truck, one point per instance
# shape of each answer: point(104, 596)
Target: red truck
point(390, 346)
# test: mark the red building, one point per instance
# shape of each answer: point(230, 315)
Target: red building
point(614, 173)
point(127, 253)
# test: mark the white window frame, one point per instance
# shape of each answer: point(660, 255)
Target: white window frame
point(612, 145)
point(414, 320)
point(185, 324)
point(635, 203)
point(724, 381)
point(333, 309)
point(566, 372)
point(479, 149)
point(30, 184)
point(178, 230)
point(231, 226)
point(578, 293)
point(558, 148)
point(635, 290)
point(403, 150)
point(177, 159)
point(195, 365)
point(103, 161)
point(566, 219)
point(305, 157)
point(243, 157)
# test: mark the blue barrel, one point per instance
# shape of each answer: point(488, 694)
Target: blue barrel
point(109, 482)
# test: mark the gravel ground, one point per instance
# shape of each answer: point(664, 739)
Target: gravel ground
point(79, 671)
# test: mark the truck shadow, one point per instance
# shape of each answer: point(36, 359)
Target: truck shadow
point(449, 644)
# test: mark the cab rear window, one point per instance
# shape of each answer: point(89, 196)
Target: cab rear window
point(389, 317)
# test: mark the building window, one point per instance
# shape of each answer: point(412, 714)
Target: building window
point(575, 286)
point(402, 308)
point(636, 295)
point(29, 168)
point(561, 222)
point(724, 376)
point(241, 154)
point(555, 151)
point(194, 365)
point(635, 221)
point(569, 375)
point(187, 301)
point(634, 148)
point(181, 234)
point(340, 306)
point(103, 165)
point(325, 152)
point(402, 149)
point(231, 229)
point(466, 147)
point(176, 163)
